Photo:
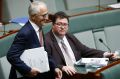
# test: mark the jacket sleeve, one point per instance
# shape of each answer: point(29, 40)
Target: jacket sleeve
point(84, 50)
point(15, 51)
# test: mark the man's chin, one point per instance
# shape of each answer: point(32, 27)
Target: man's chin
point(62, 34)
point(43, 23)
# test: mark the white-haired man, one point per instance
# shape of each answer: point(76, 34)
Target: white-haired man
point(28, 38)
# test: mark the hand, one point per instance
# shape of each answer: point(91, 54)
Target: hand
point(108, 55)
point(116, 55)
point(69, 70)
point(112, 55)
point(58, 73)
point(33, 72)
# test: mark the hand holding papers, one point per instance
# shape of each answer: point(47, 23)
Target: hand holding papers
point(36, 58)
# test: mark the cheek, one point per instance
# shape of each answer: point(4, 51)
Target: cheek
point(66, 28)
point(57, 29)
point(40, 19)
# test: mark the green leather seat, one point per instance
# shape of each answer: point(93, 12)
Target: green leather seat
point(5, 44)
point(111, 73)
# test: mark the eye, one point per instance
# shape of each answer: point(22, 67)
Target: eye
point(58, 24)
point(45, 15)
point(65, 24)
point(61, 24)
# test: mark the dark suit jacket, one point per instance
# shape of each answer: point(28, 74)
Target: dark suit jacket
point(78, 49)
point(25, 39)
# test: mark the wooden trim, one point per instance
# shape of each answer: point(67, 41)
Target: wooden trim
point(108, 66)
point(10, 33)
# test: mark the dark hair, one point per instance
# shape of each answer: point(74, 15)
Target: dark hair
point(60, 15)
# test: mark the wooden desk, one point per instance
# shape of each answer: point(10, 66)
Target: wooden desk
point(93, 74)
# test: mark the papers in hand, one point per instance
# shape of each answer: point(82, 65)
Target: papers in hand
point(37, 58)
point(98, 62)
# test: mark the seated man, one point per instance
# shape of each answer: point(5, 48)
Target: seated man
point(65, 48)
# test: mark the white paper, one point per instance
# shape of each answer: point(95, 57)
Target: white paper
point(115, 5)
point(37, 58)
point(94, 61)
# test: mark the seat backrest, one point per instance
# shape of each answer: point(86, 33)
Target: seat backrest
point(86, 38)
point(5, 44)
point(112, 37)
point(4, 68)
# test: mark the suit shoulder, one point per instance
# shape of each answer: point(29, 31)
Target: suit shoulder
point(24, 31)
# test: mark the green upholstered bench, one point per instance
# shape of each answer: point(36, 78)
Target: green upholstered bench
point(5, 44)
point(77, 24)
point(4, 68)
point(91, 26)
point(78, 11)
point(111, 73)
point(94, 21)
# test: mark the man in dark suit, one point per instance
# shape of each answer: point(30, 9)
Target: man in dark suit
point(74, 47)
point(28, 38)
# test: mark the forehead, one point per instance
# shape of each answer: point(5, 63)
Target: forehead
point(43, 10)
point(64, 20)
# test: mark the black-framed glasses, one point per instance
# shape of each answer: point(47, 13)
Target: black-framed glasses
point(61, 24)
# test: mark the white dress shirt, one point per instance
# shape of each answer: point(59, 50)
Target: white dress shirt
point(68, 46)
point(36, 28)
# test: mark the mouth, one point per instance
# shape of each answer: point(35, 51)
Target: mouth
point(62, 30)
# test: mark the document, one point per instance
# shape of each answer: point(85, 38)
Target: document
point(37, 58)
point(117, 5)
point(98, 62)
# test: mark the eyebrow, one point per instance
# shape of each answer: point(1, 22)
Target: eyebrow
point(45, 14)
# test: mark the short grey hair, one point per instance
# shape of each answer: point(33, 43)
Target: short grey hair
point(35, 6)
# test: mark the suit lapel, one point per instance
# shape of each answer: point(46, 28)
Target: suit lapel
point(34, 37)
point(57, 46)
point(72, 45)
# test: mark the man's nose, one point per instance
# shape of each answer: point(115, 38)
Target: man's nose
point(46, 17)
point(62, 27)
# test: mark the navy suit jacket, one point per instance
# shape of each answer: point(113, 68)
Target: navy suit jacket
point(78, 49)
point(26, 38)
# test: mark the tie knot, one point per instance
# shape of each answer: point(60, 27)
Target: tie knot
point(62, 41)
point(40, 30)
point(63, 44)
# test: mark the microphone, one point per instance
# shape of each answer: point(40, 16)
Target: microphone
point(104, 44)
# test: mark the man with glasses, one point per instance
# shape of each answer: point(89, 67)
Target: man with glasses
point(27, 38)
point(65, 48)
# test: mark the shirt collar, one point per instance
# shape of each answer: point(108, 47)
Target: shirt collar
point(36, 27)
point(59, 39)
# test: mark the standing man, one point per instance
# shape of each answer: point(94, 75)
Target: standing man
point(27, 38)
point(65, 48)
